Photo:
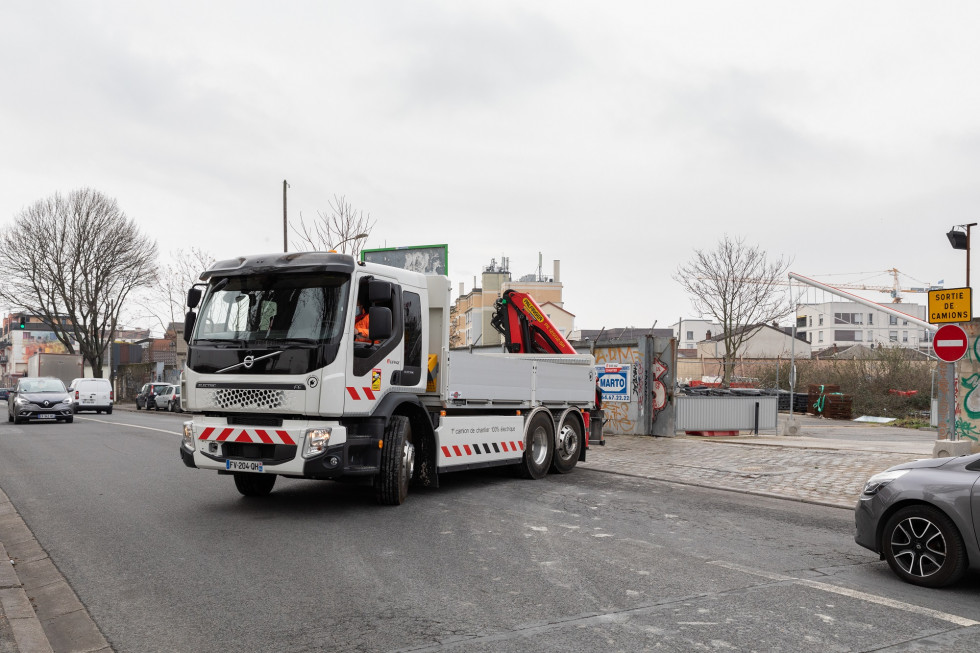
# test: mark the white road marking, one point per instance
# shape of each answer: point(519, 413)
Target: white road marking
point(135, 426)
point(854, 594)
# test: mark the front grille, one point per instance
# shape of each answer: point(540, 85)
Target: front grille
point(254, 420)
point(253, 451)
point(252, 399)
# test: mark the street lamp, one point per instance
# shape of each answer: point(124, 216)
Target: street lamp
point(959, 238)
point(334, 248)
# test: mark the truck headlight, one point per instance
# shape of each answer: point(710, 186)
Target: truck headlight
point(315, 442)
point(188, 440)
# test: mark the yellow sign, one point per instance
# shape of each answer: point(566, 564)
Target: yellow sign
point(950, 305)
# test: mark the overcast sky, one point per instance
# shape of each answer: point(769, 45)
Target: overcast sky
point(616, 137)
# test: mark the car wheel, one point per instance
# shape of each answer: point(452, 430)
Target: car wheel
point(254, 485)
point(69, 420)
point(109, 412)
point(170, 407)
point(10, 417)
point(923, 547)
point(138, 404)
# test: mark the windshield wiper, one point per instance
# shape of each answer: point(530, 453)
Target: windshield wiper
point(248, 362)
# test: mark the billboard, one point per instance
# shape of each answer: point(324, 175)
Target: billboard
point(427, 259)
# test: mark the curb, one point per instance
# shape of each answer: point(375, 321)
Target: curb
point(30, 586)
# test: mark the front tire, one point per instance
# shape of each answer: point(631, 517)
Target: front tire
point(69, 420)
point(254, 485)
point(397, 462)
point(923, 547)
point(569, 444)
point(539, 445)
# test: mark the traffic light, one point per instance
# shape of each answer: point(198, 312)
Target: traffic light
point(22, 322)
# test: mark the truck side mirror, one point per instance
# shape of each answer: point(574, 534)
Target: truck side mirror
point(193, 297)
point(379, 326)
point(379, 291)
point(189, 319)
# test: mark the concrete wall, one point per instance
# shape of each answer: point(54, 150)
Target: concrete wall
point(650, 410)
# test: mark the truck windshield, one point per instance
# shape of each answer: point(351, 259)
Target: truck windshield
point(295, 308)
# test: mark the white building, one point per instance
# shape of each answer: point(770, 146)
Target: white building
point(690, 332)
point(848, 323)
point(761, 341)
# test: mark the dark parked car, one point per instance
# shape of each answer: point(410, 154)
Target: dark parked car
point(4, 392)
point(146, 398)
point(40, 398)
point(922, 517)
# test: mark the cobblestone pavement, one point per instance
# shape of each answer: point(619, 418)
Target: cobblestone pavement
point(826, 476)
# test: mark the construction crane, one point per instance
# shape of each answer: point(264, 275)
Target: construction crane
point(895, 290)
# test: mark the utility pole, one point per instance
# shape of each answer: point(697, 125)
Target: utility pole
point(285, 222)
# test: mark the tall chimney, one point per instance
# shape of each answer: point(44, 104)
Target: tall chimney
point(460, 288)
point(557, 271)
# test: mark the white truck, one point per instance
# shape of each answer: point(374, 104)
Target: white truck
point(62, 366)
point(280, 383)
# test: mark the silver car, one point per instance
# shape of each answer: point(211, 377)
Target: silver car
point(922, 518)
point(40, 398)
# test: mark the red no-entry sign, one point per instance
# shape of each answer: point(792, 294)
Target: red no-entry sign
point(950, 343)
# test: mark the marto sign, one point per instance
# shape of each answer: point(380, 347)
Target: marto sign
point(614, 381)
point(950, 343)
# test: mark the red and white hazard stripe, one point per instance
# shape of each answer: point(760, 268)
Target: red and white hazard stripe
point(368, 393)
point(461, 450)
point(255, 436)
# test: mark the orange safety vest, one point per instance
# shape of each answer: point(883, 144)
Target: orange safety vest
point(361, 325)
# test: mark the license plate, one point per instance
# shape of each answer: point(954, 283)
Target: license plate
point(88, 401)
point(45, 416)
point(242, 465)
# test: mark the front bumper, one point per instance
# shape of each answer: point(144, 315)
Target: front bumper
point(867, 513)
point(280, 449)
point(32, 411)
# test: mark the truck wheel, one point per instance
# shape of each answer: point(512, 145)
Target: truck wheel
point(569, 444)
point(254, 485)
point(397, 462)
point(539, 445)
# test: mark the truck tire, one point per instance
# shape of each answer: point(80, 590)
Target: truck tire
point(568, 445)
point(254, 485)
point(397, 462)
point(539, 445)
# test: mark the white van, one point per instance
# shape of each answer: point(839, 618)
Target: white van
point(92, 394)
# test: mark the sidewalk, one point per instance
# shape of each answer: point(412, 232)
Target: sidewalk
point(826, 464)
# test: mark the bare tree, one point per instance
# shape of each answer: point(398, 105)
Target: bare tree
point(73, 260)
point(739, 287)
point(166, 301)
point(343, 229)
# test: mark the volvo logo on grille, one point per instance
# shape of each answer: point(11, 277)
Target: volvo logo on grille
point(248, 362)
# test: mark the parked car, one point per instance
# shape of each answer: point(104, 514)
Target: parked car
point(92, 394)
point(169, 399)
point(146, 398)
point(4, 392)
point(40, 398)
point(922, 518)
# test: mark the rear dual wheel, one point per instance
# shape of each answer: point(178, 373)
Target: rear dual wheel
point(539, 445)
point(568, 445)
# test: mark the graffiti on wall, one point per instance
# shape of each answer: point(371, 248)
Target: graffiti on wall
point(622, 417)
point(41, 343)
point(659, 390)
point(968, 404)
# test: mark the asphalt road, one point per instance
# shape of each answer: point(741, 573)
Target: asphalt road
point(167, 558)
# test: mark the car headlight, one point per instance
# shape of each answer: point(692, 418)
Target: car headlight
point(315, 442)
point(879, 481)
point(188, 439)
point(20, 401)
